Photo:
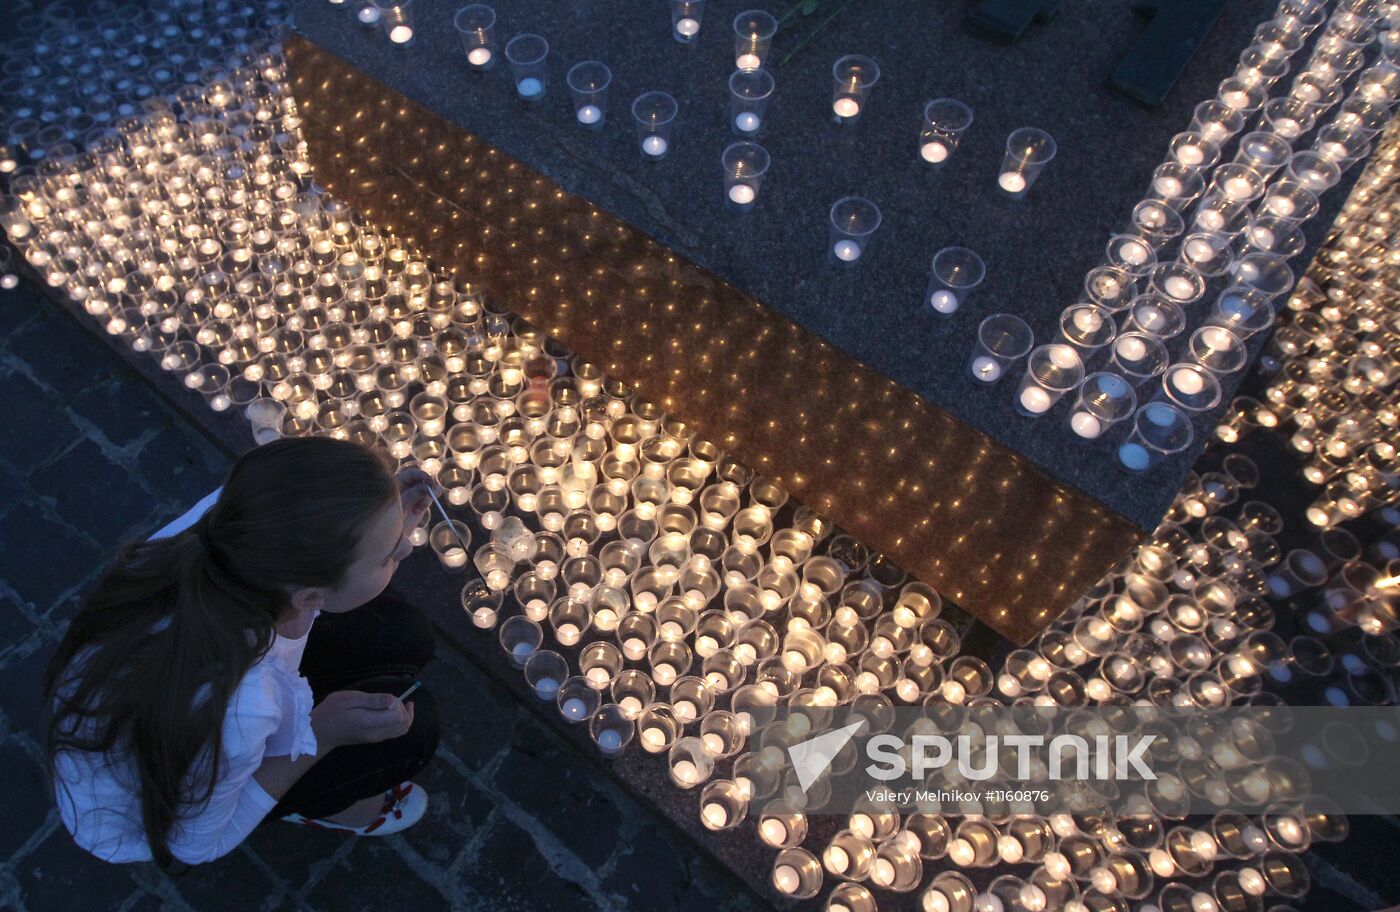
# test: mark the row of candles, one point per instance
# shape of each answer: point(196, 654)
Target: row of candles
point(328, 287)
point(1225, 239)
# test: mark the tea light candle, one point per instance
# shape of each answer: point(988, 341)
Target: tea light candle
point(745, 653)
point(945, 302)
point(454, 558)
point(1252, 882)
point(1012, 181)
point(847, 251)
point(687, 27)
point(1187, 382)
point(609, 740)
point(933, 152)
point(846, 107)
point(986, 369)
point(1167, 185)
point(589, 114)
point(773, 832)
point(747, 62)
point(742, 194)
point(1238, 187)
point(521, 650)
point(1236, 98)
point(714, 815)
point(664, 673)
point(747, 122)
point(1086, 425)
point(1034, 399)
point(686, 710)
point(546, 688)
point(685, 771)
point(529, 87)
point(484, 617)
point(907, 690)
point(573, 708)
point(962, 853)
point(1134, 253)
point(1290, 832)
point(836, 859)
point(368, 14)
point(786, 879)
point(1199, 250)
point(479, 56)
point(655, 146)
point(654, 737)
point(634, 648)
point(1180, 287)
point(714, 742)
point(1087, 321)
point(883, 871)
point(567, 634)
point(598, 676)
point(401, 34)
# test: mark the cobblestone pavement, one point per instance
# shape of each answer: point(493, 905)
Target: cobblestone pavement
point(89, 457)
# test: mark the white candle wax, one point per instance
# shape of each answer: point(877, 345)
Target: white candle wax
point(1134, 253)
point(598, 676)
point(747, 122)
point(655, 146)
point(1012, 181)
point(687, 26)
point(1236, 99)
point(1287, 127)
point(745, 653)
point(943, 301)
point(479, 56)
point(1086, 425)
point(1035, 400)
point(714, 743)
point(1238, 187)
point(1167, 186)
point(609, 740)
point(664, 673)
point(484, 617)
point(933, 152)
point(883, 871)
point(907, 690)
point(521, 650)
point(686, 710)
point(836, 859)
point(786, 879)
point(1087, 321)
point(742, 194)
point(566, 633)
point(1187, 382)
point(1263, 238)
point(986, 369)
point(589, 114)
point(529, 87)
point(454, 558)
point(846, 107)
point(714, 815)
point(1190, 155)
point(1180, 287)
point(546, 688)
point(747, 62)
point(401, 34)
point(1199, 251)
point(654, 738)
point(847, 251)
point(685, 771)
point(773, 832)
point(1280, 205)
point(368, 15)
point(634, 648)
point(574, 708)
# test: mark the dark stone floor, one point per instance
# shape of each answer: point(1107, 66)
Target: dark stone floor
point(89, 457)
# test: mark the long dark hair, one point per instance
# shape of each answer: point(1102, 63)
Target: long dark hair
point(169, 632)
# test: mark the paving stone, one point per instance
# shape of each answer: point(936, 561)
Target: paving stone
point(17, 307)
point(292, 852)
point(36, 426)
point(95, 495)
point(475, 729)
point(457, 810)
point(41, 558)
point(179, 467)
point(374, 877)
point(27, 804)
point(15, 625)
point(12, 491)
point(60, 876)
point(557, 786)
point(230, 882)
point(122, 407)
point(22, 691)
point(510, 874)
point(61, 354)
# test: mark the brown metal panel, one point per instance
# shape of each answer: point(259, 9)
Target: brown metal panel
point(989, 529)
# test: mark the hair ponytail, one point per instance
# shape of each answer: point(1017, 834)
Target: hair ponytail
point(148, 666)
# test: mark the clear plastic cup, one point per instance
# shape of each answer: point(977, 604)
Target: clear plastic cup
point(1159, 430)
point(945, 120)
point(745, 164)
point(749, 91)
point(654, 113)
point(753, 37)
point(686, 16)
point(1028, 151)
point(476, 26)
point(955, 272)
point(854, 220)
point(1104, 399)
point(588, 84)
point(1051, 371)
point(854, 76)
point(1002, 340)
point(527, 55)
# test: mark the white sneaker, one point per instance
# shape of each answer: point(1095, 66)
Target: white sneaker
point(404, 805)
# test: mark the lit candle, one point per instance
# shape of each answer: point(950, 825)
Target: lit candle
point(1012, 181)
point(1252, 882)
point(655, 146)
point(1086, 425)
point(1187, 382)
point(773, 832)
point(945, 302)
point(574, 708)
point(1134, 253)
point(479, 56)
point(1189, 154)
point(686, 710)
point(1199, 250)
point(1167, 186)
point(401, 34)
point(714, 743)
point(714, 815)
point(368, 14)
point(907, 690)
point(933, 152)
point(747, 62)
point(1035, 400)
point(846, 107)
point(986, 369)
point(745, 653)
point(1180, 287)
point(786, 879)
point(1087, 321)
point(1280, 205)
point(687, 27)
point(654, 738)
point(847, 251)
point(634, 648)
point(742, 194)
point(1238, 187)
point(747, 122)
point(454, 558)
point(484, 618)
point(598, 676)
point(589, 114)
point(567, 634)
point(706, 645)
point(685, 771)
point(1236, 98)
point(1289, 831)
point(961, 852)
point(836, 859)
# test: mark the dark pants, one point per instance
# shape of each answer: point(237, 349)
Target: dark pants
point(379, 647)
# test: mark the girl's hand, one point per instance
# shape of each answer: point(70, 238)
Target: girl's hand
point(355, 717)
point(414, 485)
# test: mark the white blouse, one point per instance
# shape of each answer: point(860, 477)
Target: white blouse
point(269, 715)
